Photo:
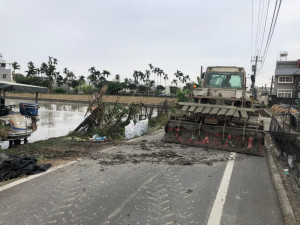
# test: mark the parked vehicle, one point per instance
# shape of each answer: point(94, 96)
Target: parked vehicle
point(15, 126)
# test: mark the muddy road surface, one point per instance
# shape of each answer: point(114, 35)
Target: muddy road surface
point(146, 181)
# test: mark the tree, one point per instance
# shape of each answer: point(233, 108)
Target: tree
point(142, 88)
point(105, 73)
point(160, 73)
point(59, 80)
point(126, 83)
point(152, 70)
point(117, 77)
point(174, 82)
point(142, 76)
point(178, 75)
point(69, 79)
point(185, 79)
point(81, 80)
point(114, 87)
point(136, 77)
point(15, 67)
point(94, 76)
point(132, 86)
point(50, 70)
point(156, 71)
point(147, 76)
point(173, 89)
point(160, 88)
point(166, 78)
point(31, 72)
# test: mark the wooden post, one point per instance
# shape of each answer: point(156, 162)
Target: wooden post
point(36, 97)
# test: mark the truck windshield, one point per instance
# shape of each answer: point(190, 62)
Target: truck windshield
point(224, 80)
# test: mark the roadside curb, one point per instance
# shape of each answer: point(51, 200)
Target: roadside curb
point(286, 207)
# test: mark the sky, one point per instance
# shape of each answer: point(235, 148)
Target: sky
point(126, 35)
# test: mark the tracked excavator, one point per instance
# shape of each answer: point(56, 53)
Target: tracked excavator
point(219, 114)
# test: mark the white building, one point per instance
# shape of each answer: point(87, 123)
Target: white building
point(5, 72)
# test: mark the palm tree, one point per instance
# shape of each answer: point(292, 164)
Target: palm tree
point(15, 67)
point(136, 77)
point(50, 70)
point(126, 83)
point(81, 80)
point(177, 74)
point(152, 70)
point(160, 73)
point(151, 84)
point(105, 73)
point(117, 77)
point(166, 78)
point(94, 77)
point(141, 76)
point(156, 71)
point(147, 76)
point(174, 82)
point(31, 72)
point(59, 80)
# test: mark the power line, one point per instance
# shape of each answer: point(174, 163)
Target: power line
point(264, 29)
point(257, 27)
point(260, 25)
point(271, 31)
point(252, 30)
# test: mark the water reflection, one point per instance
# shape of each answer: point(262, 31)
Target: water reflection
point(56, 119)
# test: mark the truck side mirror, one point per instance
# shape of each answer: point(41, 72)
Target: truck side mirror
point(202, 75)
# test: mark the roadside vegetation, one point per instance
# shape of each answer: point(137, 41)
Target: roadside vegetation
point(150, 82)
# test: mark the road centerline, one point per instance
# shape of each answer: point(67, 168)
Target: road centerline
point(217, 209)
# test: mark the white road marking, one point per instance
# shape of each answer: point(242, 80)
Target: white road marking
point(217, 209)
point(17, 182)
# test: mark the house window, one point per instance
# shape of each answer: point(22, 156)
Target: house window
point(4, 76)
point(284, 93)
point(285, 79)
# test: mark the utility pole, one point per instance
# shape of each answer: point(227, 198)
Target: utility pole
point(253, 77)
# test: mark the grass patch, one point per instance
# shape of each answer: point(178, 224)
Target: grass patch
point(158, 122)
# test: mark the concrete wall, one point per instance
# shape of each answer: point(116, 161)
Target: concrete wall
point(7, 72)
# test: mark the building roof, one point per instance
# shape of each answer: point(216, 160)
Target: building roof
point(9, 86)
point(287, 71)
point(287, 68)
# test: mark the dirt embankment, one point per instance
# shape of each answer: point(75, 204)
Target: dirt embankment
point(86, 98)
point(61, 148)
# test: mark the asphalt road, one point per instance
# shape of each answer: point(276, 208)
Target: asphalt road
point(148, 190)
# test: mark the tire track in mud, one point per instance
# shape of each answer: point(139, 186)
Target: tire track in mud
point(160, 199)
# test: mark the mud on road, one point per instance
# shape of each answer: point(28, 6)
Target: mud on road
point(156, 151)
point(148, 149)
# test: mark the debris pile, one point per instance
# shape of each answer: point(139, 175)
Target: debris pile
point(283, 109)
point(12, 166)
point(106, 120)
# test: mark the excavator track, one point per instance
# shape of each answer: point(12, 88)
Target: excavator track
point(228, 128)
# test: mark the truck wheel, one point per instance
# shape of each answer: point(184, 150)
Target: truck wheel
point(25, 140)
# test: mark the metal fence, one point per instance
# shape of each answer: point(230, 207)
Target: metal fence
point(287, 141)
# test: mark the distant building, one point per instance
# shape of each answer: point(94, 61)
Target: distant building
point(287, 79)
point(5, 73)
point(262, 94)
